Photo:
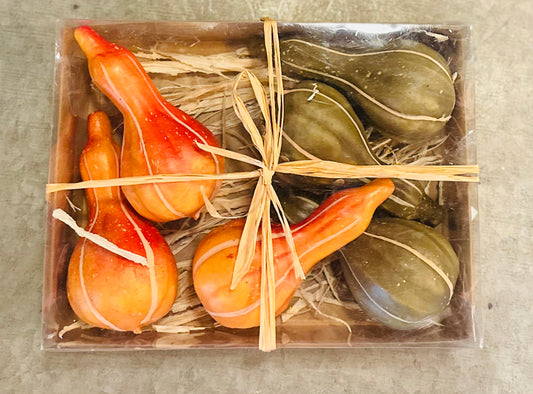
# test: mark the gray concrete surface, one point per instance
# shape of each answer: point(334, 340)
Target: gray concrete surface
point(503, 43)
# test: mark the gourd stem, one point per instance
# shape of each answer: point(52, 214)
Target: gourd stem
point(91, 43)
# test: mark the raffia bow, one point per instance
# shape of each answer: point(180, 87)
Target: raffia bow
point(269, 148)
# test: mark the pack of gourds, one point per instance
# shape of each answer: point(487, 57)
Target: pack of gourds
point(379, 240)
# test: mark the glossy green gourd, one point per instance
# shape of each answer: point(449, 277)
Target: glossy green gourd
point(320, 122)
point(401, 272)
point(406, 88)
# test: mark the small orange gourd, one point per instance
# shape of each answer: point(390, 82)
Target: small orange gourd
point(103, 288)
point(158, 137)
point(339, 220)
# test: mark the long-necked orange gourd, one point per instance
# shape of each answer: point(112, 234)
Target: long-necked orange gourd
point(105, 289)
point(337, 221)
point(158, 137)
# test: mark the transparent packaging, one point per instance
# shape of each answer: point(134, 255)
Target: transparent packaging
point(76, 97)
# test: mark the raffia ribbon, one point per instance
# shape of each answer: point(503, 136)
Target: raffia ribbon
point(269, 148)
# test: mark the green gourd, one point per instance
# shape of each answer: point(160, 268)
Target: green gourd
point(402, 273)
point(320, 122)
point(406, 88)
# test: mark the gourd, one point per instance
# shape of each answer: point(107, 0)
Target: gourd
point(320, 121)
point(406, 88)
point(339, 220)
point(105, 289)
point(158, 137)
point(401, 272)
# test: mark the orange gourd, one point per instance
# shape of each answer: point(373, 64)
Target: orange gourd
point(105, 289)
point(339, 220)
point(158, 137)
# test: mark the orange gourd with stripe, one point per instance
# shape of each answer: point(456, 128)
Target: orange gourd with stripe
point(339, 220)
point(105, 289)
point(158, 137)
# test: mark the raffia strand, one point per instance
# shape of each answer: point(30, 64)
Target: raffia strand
point(331, 169)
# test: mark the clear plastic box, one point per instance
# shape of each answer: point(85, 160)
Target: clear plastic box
point(75, 98)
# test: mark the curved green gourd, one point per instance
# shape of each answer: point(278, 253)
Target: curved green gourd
point(406, 89)
point(320, 122)
point(401, 272)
